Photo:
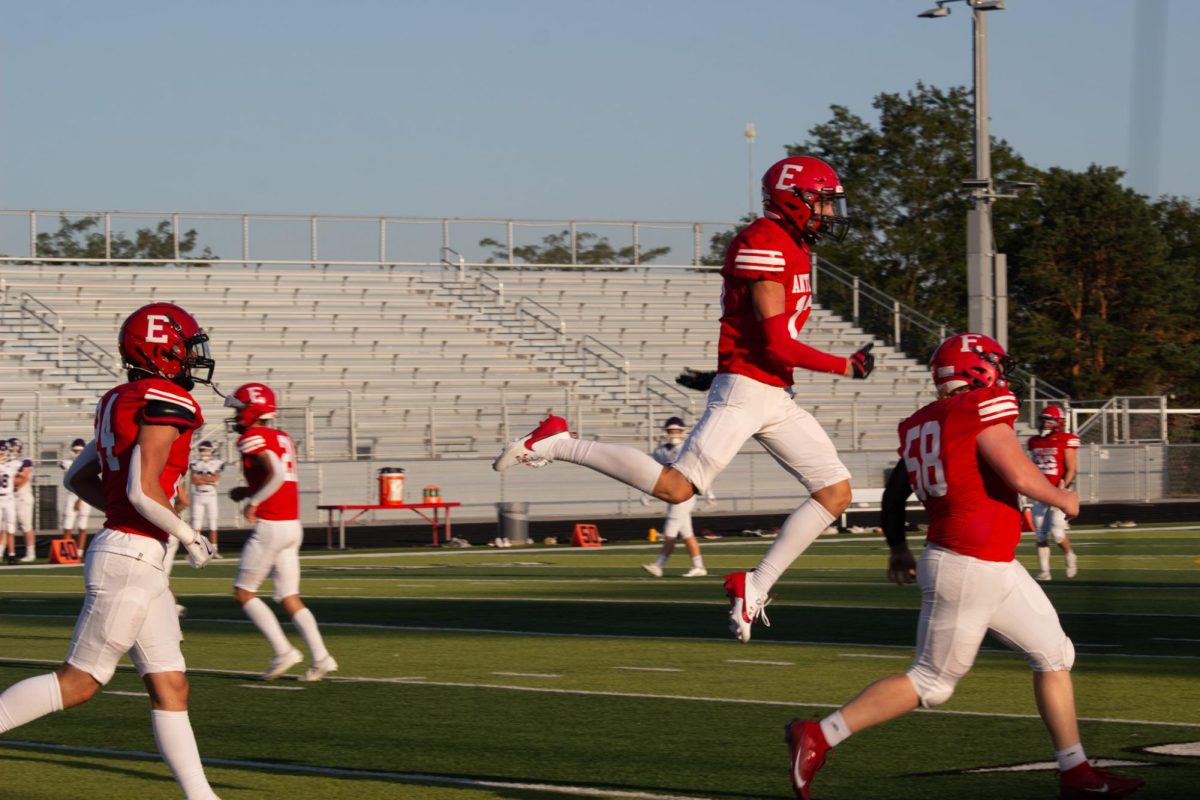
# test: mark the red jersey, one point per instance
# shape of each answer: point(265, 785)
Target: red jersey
point(285, 503)
point(120, 415)
point(971, 510)
point(1049, 453)
point(763, 251)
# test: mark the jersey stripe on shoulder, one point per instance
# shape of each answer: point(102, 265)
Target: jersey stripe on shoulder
point(998, 408)
point(170, 397)
point(252, 444)
point(1072, 441)
point(760, 260)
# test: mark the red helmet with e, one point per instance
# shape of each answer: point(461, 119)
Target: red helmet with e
point(254, 402)
point(1052, 419)
point(163, 340)
point(805, 194)
point(971, 360)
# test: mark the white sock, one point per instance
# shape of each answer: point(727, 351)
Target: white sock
point(627, 464)
point(662, 559)
point(177, 744)
point(306, 623)
point(835, 729)
point(28, 700)
point(798, 532)
point(1073, 756)
point(698, 561)
point(265, 620)
point(1044, 558)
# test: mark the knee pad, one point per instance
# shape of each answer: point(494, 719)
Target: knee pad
point(932, 688)
point(1057, 659)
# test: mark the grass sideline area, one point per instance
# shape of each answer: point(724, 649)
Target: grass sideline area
point(559, 672)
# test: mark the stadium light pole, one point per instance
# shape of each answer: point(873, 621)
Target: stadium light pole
point(987, 270)
point(750, 134)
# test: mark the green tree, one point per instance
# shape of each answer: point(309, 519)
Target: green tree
point(719, 242)
point(1093, 288)
point(903, 179)
point(81, 240)
point(590, 248)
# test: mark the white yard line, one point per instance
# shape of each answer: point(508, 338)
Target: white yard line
point(419, 681)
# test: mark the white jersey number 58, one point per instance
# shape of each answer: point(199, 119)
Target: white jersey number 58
point(923, 459)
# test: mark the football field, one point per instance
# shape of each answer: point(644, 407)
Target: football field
point(560, 672)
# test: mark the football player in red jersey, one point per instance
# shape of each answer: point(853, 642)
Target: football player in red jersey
point(1056, 454)
point(766, 299)
point(273, 550)
point(962, 458)
point(143, 437)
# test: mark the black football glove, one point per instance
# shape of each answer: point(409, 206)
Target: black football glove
point(862, 362)
point(239, 493)
point(695, 379)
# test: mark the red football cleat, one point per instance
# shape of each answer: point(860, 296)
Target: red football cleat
point(807, 744)
point(521, 450)
point(744, 611)
point(1085, 781)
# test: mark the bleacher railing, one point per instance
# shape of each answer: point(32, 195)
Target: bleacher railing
point(912, 332)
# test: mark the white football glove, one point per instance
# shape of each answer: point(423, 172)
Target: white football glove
point(199, 552)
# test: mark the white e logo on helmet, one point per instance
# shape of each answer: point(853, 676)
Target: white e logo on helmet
point(156, 328)
point(255, 394)
point(787, 175)
point(968, 342)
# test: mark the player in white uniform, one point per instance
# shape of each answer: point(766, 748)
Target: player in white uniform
point(678, 524)
point(8, 507)
point(22, 470)
point(74, 511)
point(206, 474)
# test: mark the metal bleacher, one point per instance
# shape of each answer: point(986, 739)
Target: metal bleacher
point(422, 362)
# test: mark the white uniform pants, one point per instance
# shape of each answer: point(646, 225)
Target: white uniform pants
point(127, 609)
point(962, 598)
point(739, 408)
point(679, 519)
point(273, 551)
point(8, 514)
point(24, 511)
point(1049, 521)
point(204, 509)
point(75, 513)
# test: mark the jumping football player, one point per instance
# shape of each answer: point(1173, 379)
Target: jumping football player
point(1055, 452)
point(962, 458)
point(678, 524)
point(766, 299)
point(273, 549)
point(143, 437)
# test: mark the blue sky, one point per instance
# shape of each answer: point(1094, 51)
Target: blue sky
point(535, 108)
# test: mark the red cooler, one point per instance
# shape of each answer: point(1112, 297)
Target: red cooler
point(391, 486)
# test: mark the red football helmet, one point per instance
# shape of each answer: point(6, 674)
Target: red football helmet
point(163, 340)
point(1052, 419)
point(254, 402)
point(969, 359)
point(804, 193)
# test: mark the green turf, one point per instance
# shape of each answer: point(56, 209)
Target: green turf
point(475, 674)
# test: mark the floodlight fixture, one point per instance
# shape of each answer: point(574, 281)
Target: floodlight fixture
point(940, 11)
